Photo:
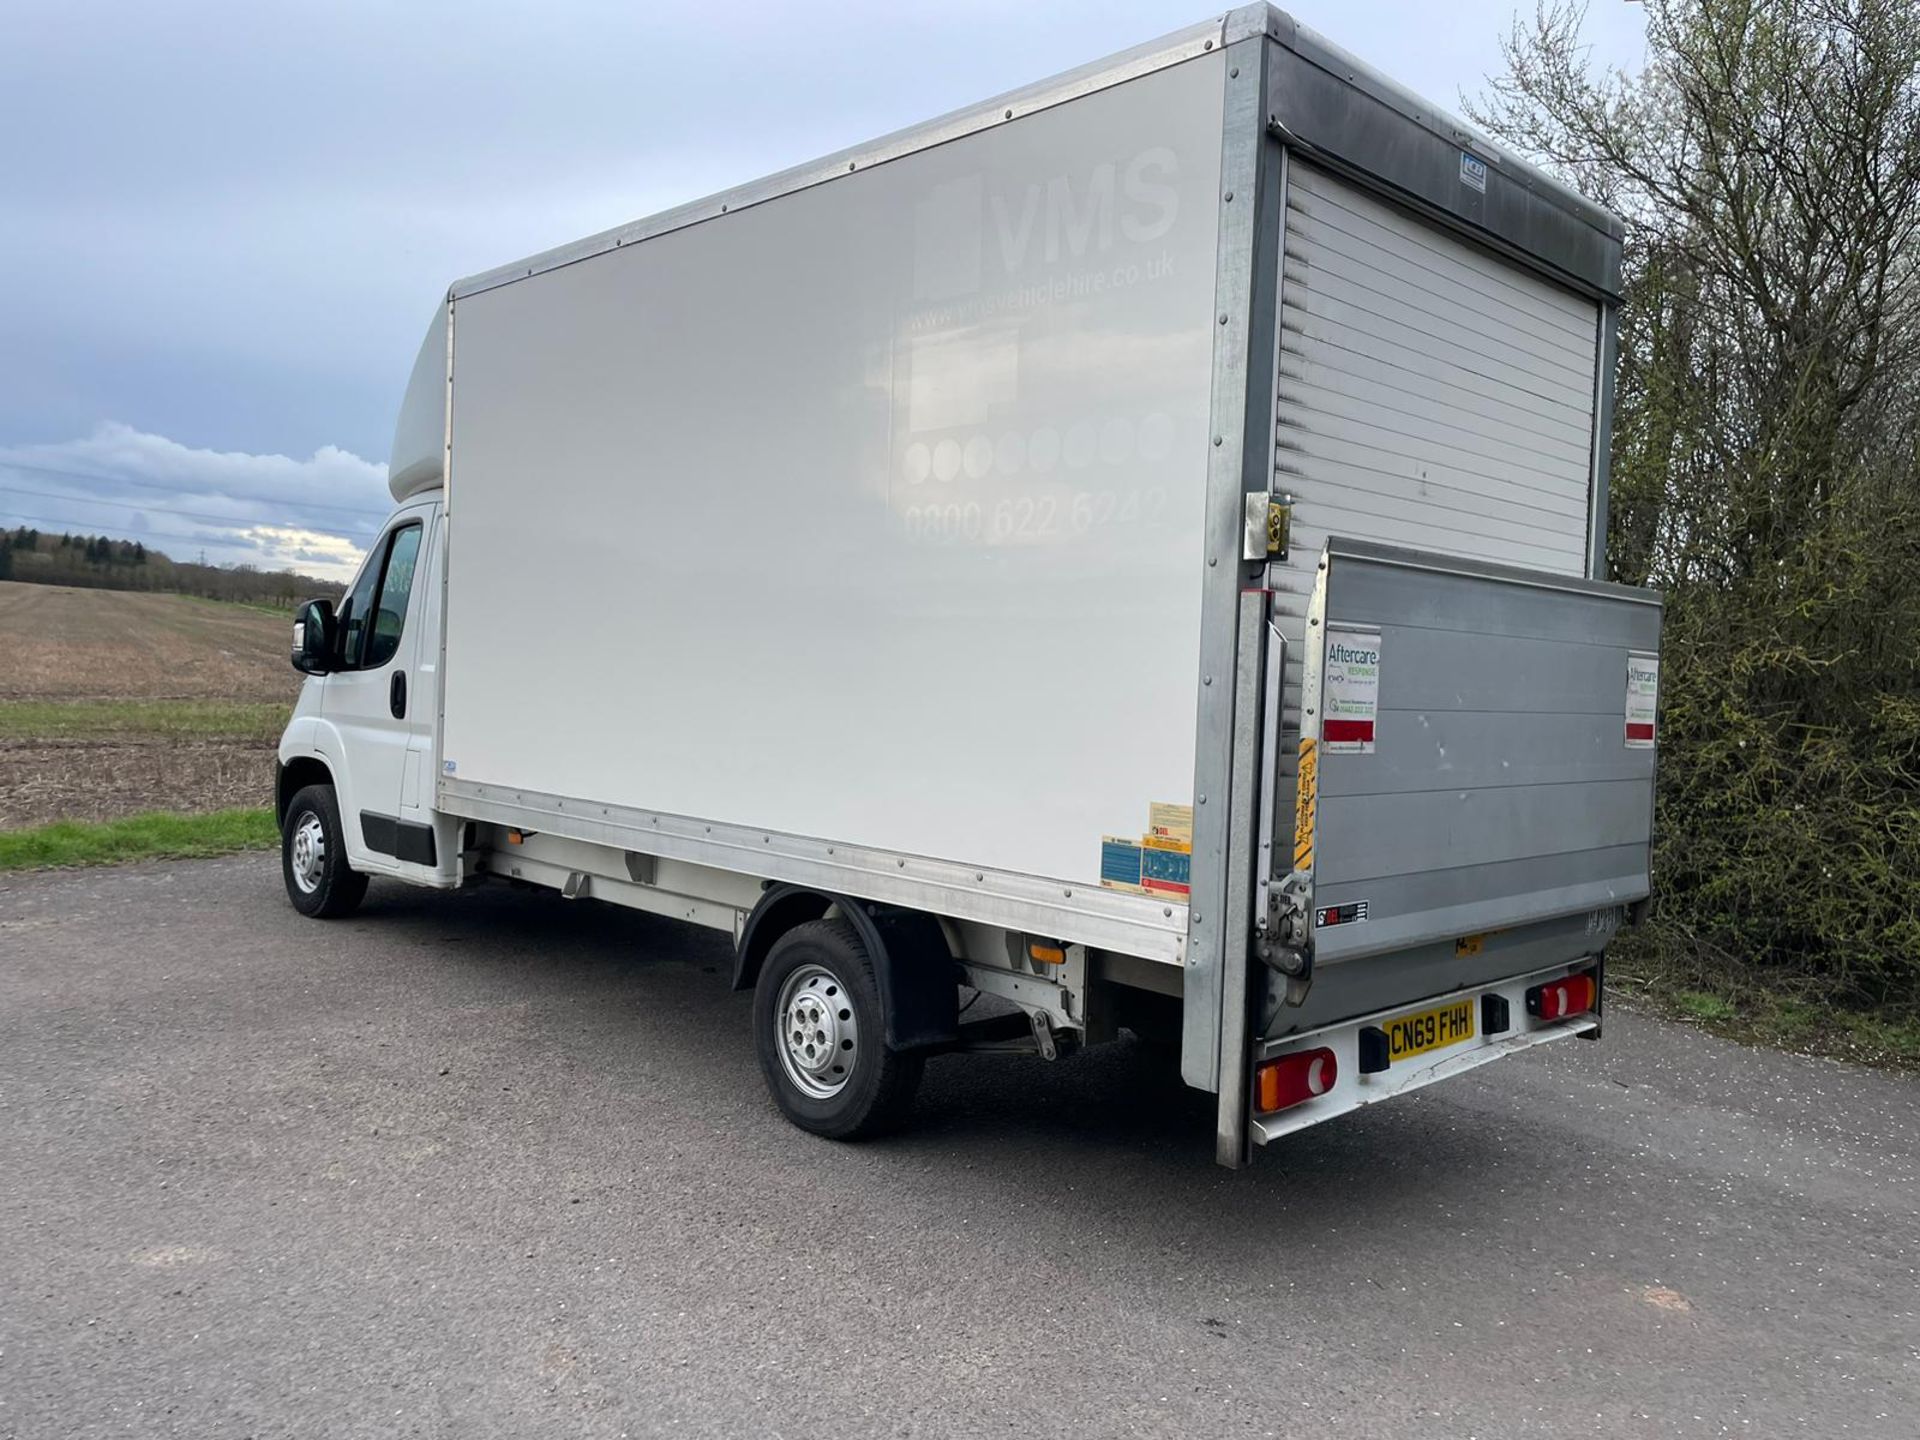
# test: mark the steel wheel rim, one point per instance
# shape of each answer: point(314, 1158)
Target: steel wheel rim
point(819, 1034)
point(307, 853)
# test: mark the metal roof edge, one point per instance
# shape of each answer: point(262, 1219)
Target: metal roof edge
point(1323, 53)
point(1242, 23)
point(1182, 45)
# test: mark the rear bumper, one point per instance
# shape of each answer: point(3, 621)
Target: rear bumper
point(1353, 1090)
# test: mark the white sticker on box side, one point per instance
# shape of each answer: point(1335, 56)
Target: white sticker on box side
point(1473, 172)
point(1643, 698)
point(1350, 691)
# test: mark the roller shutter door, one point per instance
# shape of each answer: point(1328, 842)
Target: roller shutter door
point(1430, 393)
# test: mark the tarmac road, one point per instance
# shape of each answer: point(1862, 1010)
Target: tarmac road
point(497, 1164)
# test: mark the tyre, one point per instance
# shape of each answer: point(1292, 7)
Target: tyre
point(822, 1038)
point(313, 857)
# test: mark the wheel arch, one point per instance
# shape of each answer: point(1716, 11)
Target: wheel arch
point(293, 777)
point(911, 961)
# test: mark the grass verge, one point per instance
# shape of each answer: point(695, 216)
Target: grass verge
point(138, 837)
point(283, 610)
point(1757, 1009)
point(173, 719)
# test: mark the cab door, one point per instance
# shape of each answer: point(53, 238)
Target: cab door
point(370, 699)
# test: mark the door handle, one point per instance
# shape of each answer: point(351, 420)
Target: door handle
point(397, 695)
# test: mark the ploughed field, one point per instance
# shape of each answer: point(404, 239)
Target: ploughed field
point(114, 703)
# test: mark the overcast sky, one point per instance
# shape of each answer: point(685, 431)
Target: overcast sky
point(223, 226)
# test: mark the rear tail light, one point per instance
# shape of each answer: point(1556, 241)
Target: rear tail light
point(1558, 999)
point(1286, 1082)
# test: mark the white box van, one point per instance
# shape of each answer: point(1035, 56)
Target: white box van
point(1128, 548)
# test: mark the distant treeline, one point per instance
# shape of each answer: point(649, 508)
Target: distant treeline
point(100, 562)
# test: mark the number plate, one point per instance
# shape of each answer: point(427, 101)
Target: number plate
point(1434, 1029)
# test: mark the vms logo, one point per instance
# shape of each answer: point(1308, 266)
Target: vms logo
point(967, 235)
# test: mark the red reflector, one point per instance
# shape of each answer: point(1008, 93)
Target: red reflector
point(1280, 1084)
point(1560, 998)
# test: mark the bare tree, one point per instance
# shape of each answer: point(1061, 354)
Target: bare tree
point(1767, 453)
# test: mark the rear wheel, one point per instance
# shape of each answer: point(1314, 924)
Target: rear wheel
point(822, 1037)
point(313, 857)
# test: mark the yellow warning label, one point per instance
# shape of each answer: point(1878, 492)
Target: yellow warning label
point(1306, 795)
point(1159, 862)
point(1469, 944)
point(1174, 822)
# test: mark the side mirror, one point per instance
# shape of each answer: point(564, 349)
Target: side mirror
point(313, 637)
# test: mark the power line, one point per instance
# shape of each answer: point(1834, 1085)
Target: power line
point(229, 521)
point(174, 489)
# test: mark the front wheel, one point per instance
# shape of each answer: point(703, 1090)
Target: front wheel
point(822, 1037)
point(313, 857)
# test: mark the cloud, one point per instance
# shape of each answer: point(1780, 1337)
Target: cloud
point(271, 511)
point(263, 281)
point(307, 551)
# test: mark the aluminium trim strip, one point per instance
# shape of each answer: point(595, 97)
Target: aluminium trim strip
point(1599, 492)
point(1305, 830)
point(1340, 547)
point(1236, 1003)
point(1237, 462)
point(444, 560)
point(1081, 914)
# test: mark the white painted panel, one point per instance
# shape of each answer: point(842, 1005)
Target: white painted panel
point(871, 513)
point(1431, 393)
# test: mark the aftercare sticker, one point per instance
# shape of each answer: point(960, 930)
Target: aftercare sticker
point(1350, 692)
point(1643, 697)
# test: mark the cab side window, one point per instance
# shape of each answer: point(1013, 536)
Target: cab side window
point(375, 611)
point(353, 611)
point(389, 614)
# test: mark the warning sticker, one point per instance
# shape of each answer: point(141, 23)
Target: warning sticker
point(1306, 799)
point(1160, 862)
point(1350, 691)
point(1170, 822)
point(1120, 864)
point(1166, 872)
point(1643, 697)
